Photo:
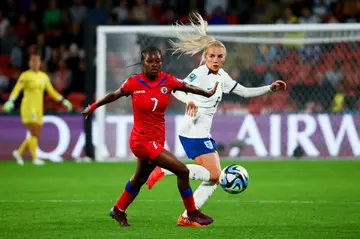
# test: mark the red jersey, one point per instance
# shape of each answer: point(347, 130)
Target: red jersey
point(150, 99)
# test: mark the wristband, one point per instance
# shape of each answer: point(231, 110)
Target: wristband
point(93, 106)
point(11, 99)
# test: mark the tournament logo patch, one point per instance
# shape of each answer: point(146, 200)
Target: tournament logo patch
point(192, 77)
point(164, 90)
point(208, 144)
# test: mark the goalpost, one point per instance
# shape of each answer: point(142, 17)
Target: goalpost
point(257, 54)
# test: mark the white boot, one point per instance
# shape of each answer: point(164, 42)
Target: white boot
point(38, 162)
point(18, 158)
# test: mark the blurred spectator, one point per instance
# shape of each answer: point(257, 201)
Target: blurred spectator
point(334, 76)
point(218, 17)
point(74, 36)
point(211, 5)
point(141, 10)
point(34, 15)
point(78, 11)
point(330, 18)
point(301, 92)
point(65, 22)
point(17, 54)
point(288, 17)
point(307, 17)
point(63, 52)
point(43, 49)
point(111, 19)
point(52, 16)
point(321, 7)
point(26, 56)
point(62, 77)
point(169, 17)
point(4, 24)
point(266, 53)
point(4, 82)
point(98, 14)
point(121, 11)
point(310, 54)
point(131, 20)
point(262, 12)
point(339, 99)
point(73, 59)
point(9, 40)
point(53, 62)
point(22, 27)
point(78, 78)
point(12, 11)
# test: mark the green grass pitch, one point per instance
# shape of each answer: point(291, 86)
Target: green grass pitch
point(285, 199)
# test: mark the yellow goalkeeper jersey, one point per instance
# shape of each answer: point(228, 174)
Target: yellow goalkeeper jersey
point(33, 84)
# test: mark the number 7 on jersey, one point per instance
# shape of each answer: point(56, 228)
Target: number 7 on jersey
point(155, 103)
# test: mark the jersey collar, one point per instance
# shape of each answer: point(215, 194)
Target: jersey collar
point(209, 72)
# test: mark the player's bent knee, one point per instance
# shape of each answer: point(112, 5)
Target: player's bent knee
point(184, 171)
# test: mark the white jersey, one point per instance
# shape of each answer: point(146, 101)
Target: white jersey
point(200, 125)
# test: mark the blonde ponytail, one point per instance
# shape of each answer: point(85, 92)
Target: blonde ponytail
point(190, 43)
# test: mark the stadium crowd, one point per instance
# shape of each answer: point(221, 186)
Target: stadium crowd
point(54, 29)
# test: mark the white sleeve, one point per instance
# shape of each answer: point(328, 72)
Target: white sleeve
point(231, 86)
point(181, 96)
point(250, 92)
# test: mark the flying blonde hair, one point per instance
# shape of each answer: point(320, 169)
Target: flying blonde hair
point(190, 43)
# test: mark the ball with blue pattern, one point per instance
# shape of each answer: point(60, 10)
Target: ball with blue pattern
point(234, 179)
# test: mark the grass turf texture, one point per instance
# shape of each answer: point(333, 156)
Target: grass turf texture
point(285, 199)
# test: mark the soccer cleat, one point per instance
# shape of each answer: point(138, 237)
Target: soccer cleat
point(185, 222)
point(18, 158)
point(38, 162)
point(199, 217)
point(119, 216)
point(156, 175)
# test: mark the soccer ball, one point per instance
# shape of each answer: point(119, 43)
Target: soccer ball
point(234, 179)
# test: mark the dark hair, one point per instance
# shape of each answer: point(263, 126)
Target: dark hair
point(149, 50)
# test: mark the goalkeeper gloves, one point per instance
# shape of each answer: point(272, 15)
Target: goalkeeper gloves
point(67, 104)
point(8, 106)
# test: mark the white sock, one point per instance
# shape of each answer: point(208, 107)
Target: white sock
point(197, 172)
point(202, 194)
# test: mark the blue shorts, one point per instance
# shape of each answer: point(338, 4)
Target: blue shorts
point(197, 146)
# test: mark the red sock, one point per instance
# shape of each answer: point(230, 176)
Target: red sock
point(188, 200)
point(127, 197)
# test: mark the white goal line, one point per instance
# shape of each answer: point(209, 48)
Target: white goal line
point(177, 201)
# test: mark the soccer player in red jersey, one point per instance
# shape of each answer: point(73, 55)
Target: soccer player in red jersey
point(150, 92)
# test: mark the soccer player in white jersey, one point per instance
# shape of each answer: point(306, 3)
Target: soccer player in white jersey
point(195, 130)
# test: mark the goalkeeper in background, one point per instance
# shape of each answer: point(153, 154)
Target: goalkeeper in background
point(33, 82)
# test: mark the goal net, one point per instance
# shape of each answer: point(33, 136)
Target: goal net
point(318, 62)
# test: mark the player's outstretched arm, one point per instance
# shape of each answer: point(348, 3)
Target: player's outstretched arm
point(181, 96)
point(108, 98)
point(9, 104)
point(258, 91)
point(56, 95)
point(198, 91)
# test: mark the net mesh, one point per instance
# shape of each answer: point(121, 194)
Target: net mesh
point(321, 69)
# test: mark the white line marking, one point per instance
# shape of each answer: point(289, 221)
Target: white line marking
point(176, 201)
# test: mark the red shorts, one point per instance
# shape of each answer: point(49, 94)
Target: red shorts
point(146, 149)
